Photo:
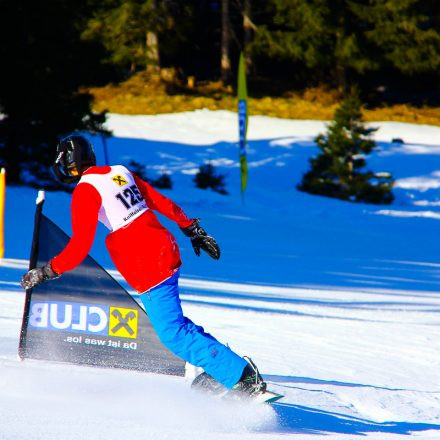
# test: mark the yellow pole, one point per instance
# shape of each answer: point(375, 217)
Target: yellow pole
point(2, 210)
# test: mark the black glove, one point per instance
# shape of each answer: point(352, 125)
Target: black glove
point(201, 240)
point(34, 277)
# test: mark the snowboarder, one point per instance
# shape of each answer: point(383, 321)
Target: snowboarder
point(147, 256)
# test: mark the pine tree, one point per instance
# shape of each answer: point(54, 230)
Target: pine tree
point(324, 36)
point(163, 182)
point(207, 177)
point(404, 33)
point(129, 31)
point(292, 30)
point(337, 170)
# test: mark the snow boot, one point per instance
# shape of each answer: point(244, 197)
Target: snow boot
point(206, 383)
point(250, 387)
point(251, 383)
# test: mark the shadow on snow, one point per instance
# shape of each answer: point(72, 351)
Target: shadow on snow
point(308, 380)
point(301, 419)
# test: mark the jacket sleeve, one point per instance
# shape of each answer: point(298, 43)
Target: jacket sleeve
point(155, 200)
point(85, 206)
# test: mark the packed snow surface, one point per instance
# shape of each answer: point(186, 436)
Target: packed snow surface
point(337, 303)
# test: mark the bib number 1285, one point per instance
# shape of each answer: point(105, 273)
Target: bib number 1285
point(130, 196)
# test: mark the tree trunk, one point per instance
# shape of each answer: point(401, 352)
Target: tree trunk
point(153, 59)
point(225, 63)
point(248, 28)
point(341, 77)
point(341, 65)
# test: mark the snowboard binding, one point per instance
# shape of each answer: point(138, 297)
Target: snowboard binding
point(251, 386)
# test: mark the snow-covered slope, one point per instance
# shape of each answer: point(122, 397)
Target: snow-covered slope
point(337, 303)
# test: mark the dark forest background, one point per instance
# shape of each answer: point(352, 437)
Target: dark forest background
point(51, 49)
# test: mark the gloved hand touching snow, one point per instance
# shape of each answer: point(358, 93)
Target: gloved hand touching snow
point(201, 240)
point(36, 276)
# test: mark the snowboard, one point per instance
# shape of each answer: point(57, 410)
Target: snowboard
point(267, 397)
point(207, 384)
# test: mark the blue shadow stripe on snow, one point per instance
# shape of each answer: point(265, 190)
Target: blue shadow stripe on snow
point(302, 419)
point(361, 305)
point(10, 285)
point(275, 311)
point(308, 380)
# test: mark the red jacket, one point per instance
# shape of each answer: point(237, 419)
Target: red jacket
point(143, 251)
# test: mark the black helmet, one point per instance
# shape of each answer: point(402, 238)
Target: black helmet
point(74, 155)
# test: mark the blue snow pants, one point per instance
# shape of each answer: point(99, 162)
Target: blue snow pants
point(186, 339)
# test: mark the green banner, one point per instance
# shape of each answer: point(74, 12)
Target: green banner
point(242, 119)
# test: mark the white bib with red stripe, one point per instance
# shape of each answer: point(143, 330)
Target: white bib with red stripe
point(122, 202)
